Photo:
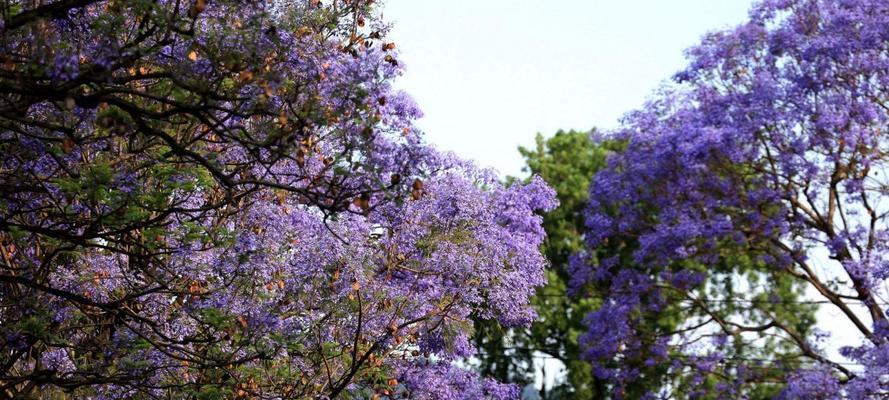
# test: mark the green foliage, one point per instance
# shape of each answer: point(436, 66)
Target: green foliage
point(566, 161)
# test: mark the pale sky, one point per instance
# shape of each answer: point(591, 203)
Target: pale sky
point(490, 74)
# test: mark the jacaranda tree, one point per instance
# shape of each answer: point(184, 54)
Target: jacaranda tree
point(769, 155)
point(227, 199)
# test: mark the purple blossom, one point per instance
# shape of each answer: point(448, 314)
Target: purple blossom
point(767, 147)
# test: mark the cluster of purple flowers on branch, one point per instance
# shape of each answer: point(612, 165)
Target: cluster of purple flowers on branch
point(228, 199)
point(769, 154)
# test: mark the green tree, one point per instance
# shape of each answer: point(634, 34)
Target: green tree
point(566, 161)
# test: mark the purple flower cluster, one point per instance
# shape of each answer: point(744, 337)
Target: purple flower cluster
point(768, 152)
point(229, 199)
point(442, 381)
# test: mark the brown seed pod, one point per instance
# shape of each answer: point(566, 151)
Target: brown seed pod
point(301, 157)
point(67, 145)
point(417, 189)
point(362, 202)
point(197, 8)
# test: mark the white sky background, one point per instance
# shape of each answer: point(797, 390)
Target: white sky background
point(490, 74)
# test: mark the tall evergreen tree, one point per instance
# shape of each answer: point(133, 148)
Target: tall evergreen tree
point(566, 160)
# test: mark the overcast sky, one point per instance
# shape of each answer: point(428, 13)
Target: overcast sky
point(490, 74)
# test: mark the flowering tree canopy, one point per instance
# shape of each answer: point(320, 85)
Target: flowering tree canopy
point(769, 155)
point(229, 199)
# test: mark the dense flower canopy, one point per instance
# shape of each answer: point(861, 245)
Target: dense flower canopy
point(769, 153)
point(228, 198)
